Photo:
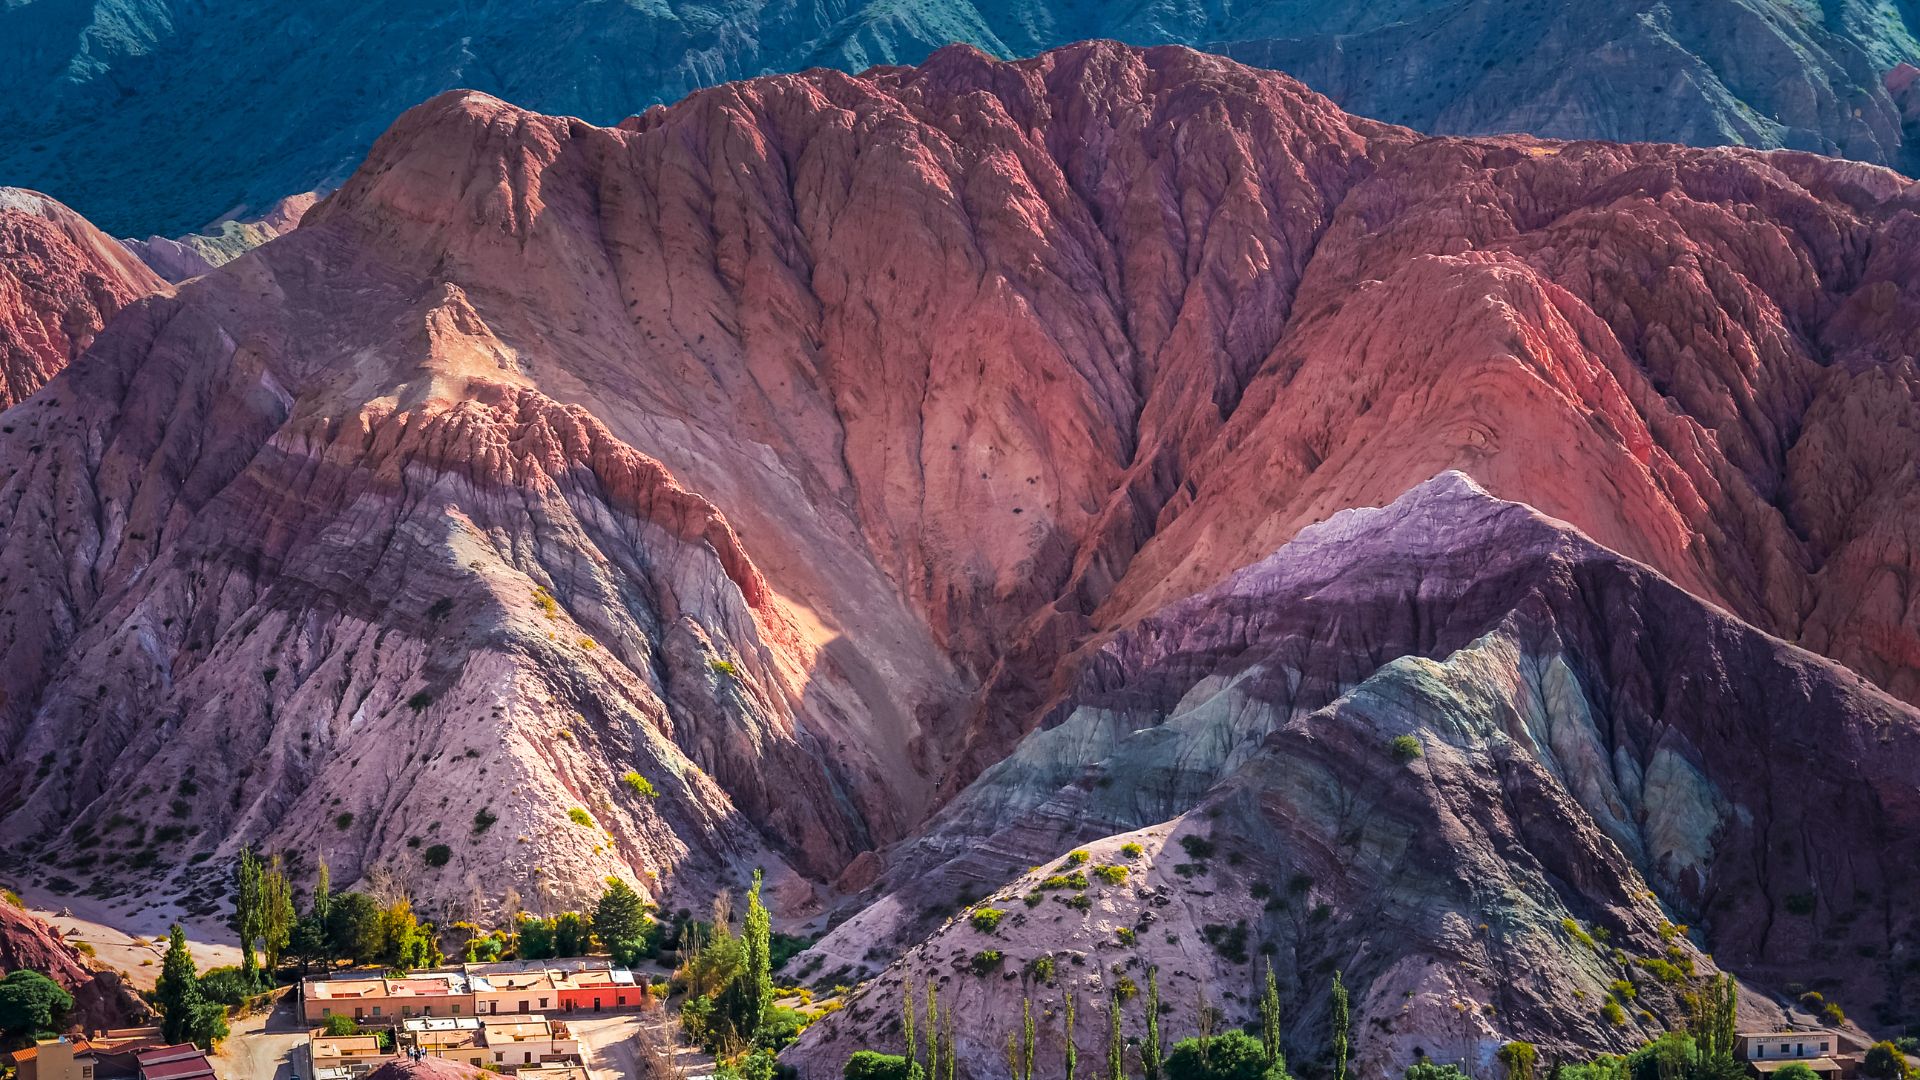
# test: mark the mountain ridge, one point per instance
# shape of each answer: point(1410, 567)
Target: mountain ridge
point(1756, 72)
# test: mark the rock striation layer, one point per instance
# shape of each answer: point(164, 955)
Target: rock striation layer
point(162, 115)
point(825, 472)
point(1594, 787)
point(61, 279)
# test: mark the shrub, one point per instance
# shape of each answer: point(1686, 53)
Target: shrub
point(1231, 1055)
point(1197, 847)
point(986, 961)
point(483, 820)
point(1076, 858)
point(1832, 1015)
point(1793, 1070)
point(1621, 990)
point(1041, 967)
point(1110, 873)
point(1575, 932)
point(544, 600)
point(1405, 749)
point(580, 817)
point(419, 701)
point(1427, 1070)
point(1131, 850)
point(724, 667)
point(1125, 988)
point(438, 855)
point(986, 919)
point(1229, 941)
point(343, 821)
point(339, 1026)
point(1033, 899)
point(1079, 901)
point(1614, 1014)
point(873, 1065)
point(640, 784)
point(1075, 880)
point(1126, 935)
point(1884, 1062)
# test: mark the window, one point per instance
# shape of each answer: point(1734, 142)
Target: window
point(543, 1003)
point(1823, 1048)
point(376, 1010)
point(325, 1012)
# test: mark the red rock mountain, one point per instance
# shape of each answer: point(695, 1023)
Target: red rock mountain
point(61, 279)
point(772, 478)
point(100, 998)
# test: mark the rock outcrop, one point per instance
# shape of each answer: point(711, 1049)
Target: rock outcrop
point(61, 279)
point(1608, 779)
point(177, 259)
point(100, 998)
point(160, 115)
point(820, 474)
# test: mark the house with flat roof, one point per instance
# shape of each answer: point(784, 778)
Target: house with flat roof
point(516, 1041)
point(599, 989)
point(554, 1072)
point(1767, 1052)
point(387, 999)
point(515, 992)
point(456, 1038)
point(357, 1054)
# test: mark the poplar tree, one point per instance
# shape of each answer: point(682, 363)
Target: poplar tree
point(1270, 1017)
point(1116, 1047)
point(949, 1057)
point(276, 912)
point(247, 914)
point(1073, 1052)
point(1150, 1049)
point(906, 1010)
point(322, 892)
point(746, 1000)
point(1341, 1023)
point(933, 1030)
point(1027, 1039)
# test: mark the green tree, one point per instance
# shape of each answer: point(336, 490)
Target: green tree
point(1027, 1038)
point(354, 927)
point(308, 942)
point(1150, 1049)
point(1072, 1051)
point(571, 934)
point(621, 922)
point(872, 1065)
point(1341, 1025)
point(276, 912)
point(536, 938)
point(746, 999)
point(339, 1026)
point(185, 1013)
point(1270, 1016)
point(933, 1031)
point(1710, 1019)
point(907, 1005)
point(247, 909)
point(1425, 1069)
point(1885, 1062)
point(1116, 1042)
point(32, 1005)
point(1232, 1055)
point(322, 893)
point(1794, 1070)
point(1519, 1059)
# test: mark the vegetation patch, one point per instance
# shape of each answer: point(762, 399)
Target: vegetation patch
point(640, 784)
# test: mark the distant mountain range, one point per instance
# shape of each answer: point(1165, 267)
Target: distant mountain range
point(157, 116)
